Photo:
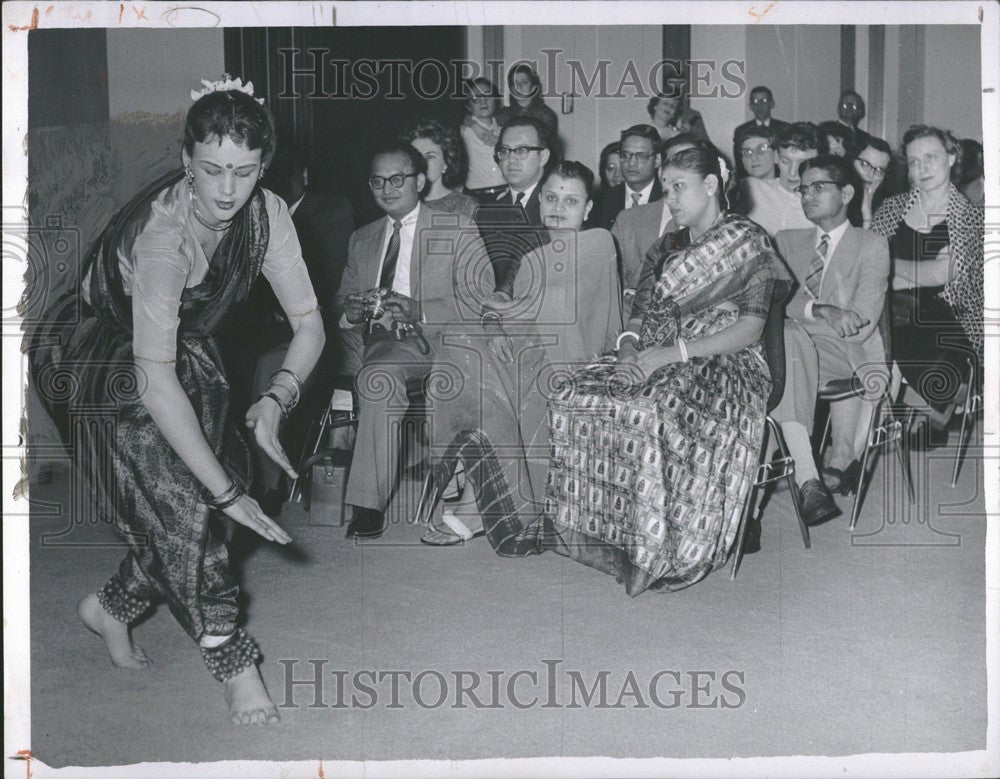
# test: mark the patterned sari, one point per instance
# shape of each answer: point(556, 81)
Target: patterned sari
point(84, 372)
point(648, 477)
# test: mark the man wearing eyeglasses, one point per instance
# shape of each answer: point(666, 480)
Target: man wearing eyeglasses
point(640, 161)
point(773, 203)
point(831, 332)
point(409, 259)
point(850, 112)
point(511, 226)
point(761, 105)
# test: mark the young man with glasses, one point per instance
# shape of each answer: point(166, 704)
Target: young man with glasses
point(773, 203)
point(831, 332)
point(640, 161)
point(414, 259)
point(511, 225)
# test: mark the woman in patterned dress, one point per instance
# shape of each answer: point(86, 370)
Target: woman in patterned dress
point(158, 283)
point(654, 452)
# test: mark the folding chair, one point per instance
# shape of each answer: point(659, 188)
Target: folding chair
point(973, 404)
point(783, 466)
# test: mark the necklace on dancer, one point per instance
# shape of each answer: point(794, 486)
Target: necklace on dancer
point(206, 223)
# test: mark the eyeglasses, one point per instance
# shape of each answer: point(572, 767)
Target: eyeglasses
point(876, 169)
point(815, 188)
point(760, 100)
point(757, 151)
point(519, 152)
point(396, 180)
point(638, 156)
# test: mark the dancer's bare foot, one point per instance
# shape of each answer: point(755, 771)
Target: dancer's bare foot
point(124, 654)
point(249, 703)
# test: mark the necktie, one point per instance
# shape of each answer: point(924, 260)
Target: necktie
point(636, 197)
point(815, 275)
point(518, 199)
point(391, 256)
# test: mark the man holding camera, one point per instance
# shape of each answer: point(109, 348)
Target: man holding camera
point(407, 276)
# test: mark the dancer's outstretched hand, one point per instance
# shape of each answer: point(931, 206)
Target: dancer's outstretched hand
point(264, 418)
point(248, 513)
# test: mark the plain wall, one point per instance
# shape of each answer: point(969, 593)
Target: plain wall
point(953, 79)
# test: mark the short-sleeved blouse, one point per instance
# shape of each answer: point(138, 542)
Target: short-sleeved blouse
point(166, 257)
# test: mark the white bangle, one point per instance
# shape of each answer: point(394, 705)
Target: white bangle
point(626, 333)
point(684, 350)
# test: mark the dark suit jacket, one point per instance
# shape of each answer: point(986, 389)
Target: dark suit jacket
point(856, 277)
point(635, 231)
point(509, 233)
point(613, 202)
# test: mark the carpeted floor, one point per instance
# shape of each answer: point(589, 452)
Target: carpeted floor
point(871, 642)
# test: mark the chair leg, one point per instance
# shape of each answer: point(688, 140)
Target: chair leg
point(868, 460)
point(902, 447)
point(748, 509)
point(826, 434)
point(427, 500)
point(792, 485)
point(963, 441)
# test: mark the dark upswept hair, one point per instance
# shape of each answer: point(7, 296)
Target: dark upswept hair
point(838, 131)
point(614, 147)
point(803, 136)
point(453, 151)
point(755, 131)
point(705, 161)
point(417, 161)
point(877, 144)
point(569, 169)
point(525, 120)
point(235, 115)
point(651, 105)
point(678, 140)
point(524, 67)
point(947, 139)
point(839, 169)
point(972, 160)
point(646, 131)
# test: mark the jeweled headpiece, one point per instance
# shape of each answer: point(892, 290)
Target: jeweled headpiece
point(224, 84)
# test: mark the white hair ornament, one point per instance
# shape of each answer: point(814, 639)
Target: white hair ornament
point(225, 84)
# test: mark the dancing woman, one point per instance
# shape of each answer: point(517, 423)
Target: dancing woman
point(654, 453)
point(158, 282)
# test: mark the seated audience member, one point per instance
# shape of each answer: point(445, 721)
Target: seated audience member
point(420, 290)
point(564, 310)
point(831, 331)
point(835, 138)
point(871, 164)
point(670, 116)
point(850, 111)
point(525, 90)
point(936, 240)
point(761, 104)
point(510, 222)
point(756, 158)
point(480, 130)
point(655, 452)
point(636, 229)
point(323, 225)
point(611, 166)
point(773, 203)
point(445, 167)
point(640, 156)
point(971, 183)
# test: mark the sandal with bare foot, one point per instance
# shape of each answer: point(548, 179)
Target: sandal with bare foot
point(124, 654)
point(450, 532)
point(249, 703)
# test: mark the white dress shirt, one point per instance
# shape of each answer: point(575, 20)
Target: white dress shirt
point(527, 194)
point(644, 194)
point(835, 235)
point(407, 232)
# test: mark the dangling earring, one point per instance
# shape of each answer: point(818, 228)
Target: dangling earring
point(189, 175)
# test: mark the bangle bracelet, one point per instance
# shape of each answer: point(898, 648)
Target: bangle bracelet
point(684, 350)
point(623, 336)
point(287, 405)
point(276, 399)
point(296, 388)
point(231, 495)
point(290, 372)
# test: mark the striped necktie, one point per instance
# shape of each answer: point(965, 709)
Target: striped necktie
point(815, 276)
point(391, 256)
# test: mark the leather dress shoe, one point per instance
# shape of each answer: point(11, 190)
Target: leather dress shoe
point(843, 482)
point(366, 523)
point(816, 503)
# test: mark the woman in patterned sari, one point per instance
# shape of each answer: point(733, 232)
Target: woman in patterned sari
point(654, 452)
point(565, 311)
point(158, 283)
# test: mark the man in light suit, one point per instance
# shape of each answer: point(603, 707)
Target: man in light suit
point(831, 329)
point(640, 159)
point(435, 270)
point(636, 229)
